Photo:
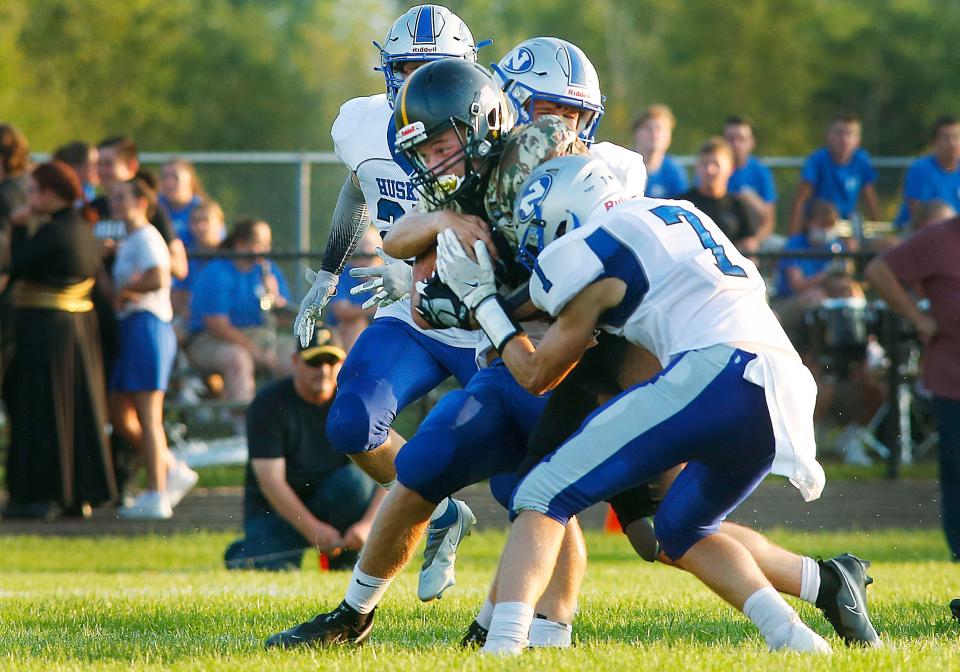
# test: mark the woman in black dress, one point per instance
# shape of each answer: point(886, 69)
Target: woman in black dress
point(58, 447)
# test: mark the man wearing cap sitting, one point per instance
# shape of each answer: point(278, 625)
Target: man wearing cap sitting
point(300, 492)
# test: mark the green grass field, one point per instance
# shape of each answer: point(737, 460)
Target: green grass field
point(164, 603)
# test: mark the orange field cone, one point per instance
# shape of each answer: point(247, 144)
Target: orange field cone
point(611, 524)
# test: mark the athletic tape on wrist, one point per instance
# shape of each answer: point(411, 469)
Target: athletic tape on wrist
point(496, 321)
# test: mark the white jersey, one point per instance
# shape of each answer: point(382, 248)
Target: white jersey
point(625, 164)
point(363, 138)
point(688, 288)
point(687, 285)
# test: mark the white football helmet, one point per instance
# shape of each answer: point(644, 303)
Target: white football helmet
point(559, 196)
point(423, 33)
point(548, 68)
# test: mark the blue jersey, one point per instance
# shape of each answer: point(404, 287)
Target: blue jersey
point(668, 181)
point(839, 184)
point(223, 289)
point(926, 180)
point(180, 218)
point(807, 266)
point(756, 176)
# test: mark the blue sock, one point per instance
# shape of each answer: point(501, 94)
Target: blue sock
point(447, 518)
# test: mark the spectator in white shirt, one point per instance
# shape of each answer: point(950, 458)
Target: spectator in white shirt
point(148, 346)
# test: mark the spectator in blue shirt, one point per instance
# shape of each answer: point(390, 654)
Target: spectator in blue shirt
point(208, 230)
point(180, 192)
point(800, 280)
point(652, 135)
point(231, 319)
point(841, 173)
point(936, 176)
point(751, 180)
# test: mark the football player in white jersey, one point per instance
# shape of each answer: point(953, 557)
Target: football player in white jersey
point(394, 362)
point(733, 402)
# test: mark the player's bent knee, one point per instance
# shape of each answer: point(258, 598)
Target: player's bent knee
point(677, 536)
point(351, 428)
point(426, 466)
point(534, 499)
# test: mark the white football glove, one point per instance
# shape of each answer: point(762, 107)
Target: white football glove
point(472, 281)
point(391, 282)
point(324, 285)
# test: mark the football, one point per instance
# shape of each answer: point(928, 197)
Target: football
point(423, 267)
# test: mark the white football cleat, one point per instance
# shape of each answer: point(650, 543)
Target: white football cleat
point(438, 572)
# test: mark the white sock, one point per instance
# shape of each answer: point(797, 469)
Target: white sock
point(810, 581)
point(486, 614)
point(508, 628)
point(772, 616)
point(365, 591)
point(544, 632)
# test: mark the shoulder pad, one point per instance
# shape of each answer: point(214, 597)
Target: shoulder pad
point(626, 164)
point(360, 130)
point(562, 270)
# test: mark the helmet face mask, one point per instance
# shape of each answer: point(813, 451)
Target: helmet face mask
point(440, 183)
point(551, 69)
point(445, 96)
point(422, 34)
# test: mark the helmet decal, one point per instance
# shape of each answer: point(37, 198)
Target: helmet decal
point(577, 73)
point(424, 32)
point(559, 196)
point(519, 61)
point(529, 201)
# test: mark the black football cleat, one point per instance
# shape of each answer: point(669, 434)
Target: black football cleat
point(343, 625)
point(955, 608)
point(843, 599)
point(475, 638)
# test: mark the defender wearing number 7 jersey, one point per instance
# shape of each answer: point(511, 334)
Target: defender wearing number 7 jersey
point(733, 402)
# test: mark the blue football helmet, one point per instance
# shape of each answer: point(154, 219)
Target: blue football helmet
point(423, 33)
point(559, 196)
point(548, 68)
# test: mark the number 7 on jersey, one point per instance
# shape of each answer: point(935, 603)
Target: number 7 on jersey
point(674, 214)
